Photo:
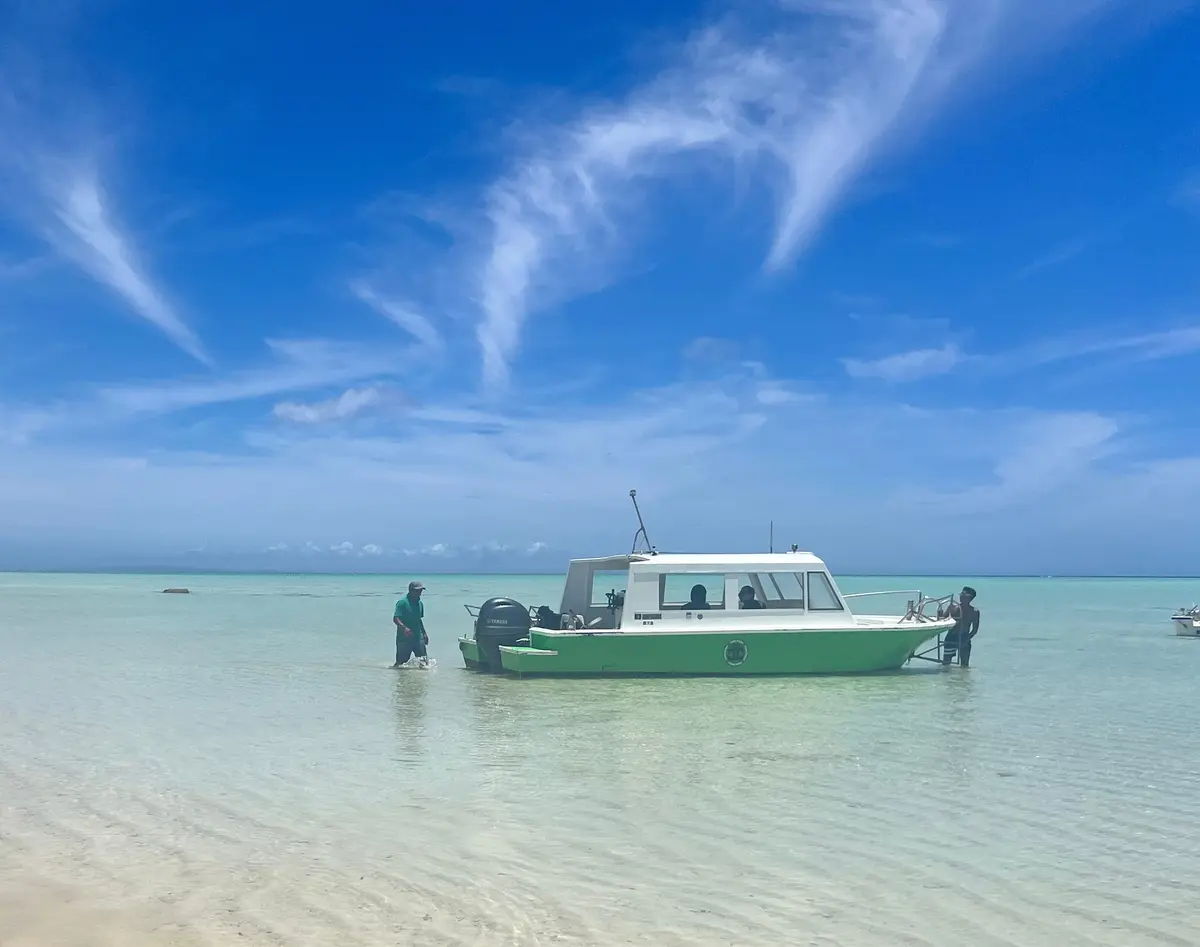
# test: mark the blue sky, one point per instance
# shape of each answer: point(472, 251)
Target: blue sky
point(415, 287)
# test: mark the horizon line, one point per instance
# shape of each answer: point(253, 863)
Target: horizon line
point(425, 572)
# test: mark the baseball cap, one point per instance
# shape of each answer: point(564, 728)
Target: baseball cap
point(415, 586)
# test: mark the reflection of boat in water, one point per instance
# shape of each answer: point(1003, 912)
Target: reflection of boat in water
point(1186, 621)
point(676, 614)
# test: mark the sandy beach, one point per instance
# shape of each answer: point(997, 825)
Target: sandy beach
point(39, 913)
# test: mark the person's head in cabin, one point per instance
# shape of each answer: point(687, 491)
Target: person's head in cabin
point(699, 597)
point(746, 598)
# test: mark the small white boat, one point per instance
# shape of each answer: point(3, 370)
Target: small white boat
point(1186, 621)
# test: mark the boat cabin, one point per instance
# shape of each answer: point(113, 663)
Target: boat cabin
point(644, 590)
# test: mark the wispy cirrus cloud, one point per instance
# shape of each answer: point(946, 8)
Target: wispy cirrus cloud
point(296, 365)
point(918, 364)
point(1042, 454)
point(52, 180)
point(804, 107)
point(15, 270)
point(403, 314)
point(810, 98)
point(83, 229)
point(684, 446)
point(349, 403)
point(1061, 254)
point(906, 366)
point(1187, 194)
point(516, 475)
point(1138, 347)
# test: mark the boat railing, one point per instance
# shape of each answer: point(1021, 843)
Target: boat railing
point(916, 592)
point(919, 605)
point(473, 611)
point(920, 610)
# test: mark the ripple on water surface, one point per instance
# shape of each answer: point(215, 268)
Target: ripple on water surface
point(242, 759)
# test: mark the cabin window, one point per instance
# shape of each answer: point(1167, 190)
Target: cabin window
point(773, 589)
point(678, 590)
point(605, 582)
point(821, 596)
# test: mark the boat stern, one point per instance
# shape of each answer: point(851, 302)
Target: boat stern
point(472, 656)
point(524, 660)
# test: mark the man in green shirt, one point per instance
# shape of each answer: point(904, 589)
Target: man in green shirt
point(409, 619)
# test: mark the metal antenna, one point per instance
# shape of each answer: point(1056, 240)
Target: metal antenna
point(641, 527)
point(772, 535)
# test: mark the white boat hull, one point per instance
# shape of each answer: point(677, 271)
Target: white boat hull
point(1185, 626)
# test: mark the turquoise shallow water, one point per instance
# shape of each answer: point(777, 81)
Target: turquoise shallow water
point(242, 759)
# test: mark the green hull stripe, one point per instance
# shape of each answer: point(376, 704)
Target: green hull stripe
point(808, 652)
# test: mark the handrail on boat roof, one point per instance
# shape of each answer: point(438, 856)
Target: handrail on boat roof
point(891, 592)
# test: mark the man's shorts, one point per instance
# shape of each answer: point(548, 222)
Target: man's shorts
point(406, 647)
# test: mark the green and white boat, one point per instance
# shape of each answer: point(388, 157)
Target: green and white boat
point(683, 614)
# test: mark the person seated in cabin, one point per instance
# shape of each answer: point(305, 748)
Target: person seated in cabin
point(699, 601)
point(746, 598)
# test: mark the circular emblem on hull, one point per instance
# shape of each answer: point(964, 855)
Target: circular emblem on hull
point(735, 652)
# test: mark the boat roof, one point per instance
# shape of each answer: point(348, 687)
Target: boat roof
point(744, 562)
point(612, 563)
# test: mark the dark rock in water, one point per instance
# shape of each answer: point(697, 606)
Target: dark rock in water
point(177, 591)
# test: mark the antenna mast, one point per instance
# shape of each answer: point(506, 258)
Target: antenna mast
point(641, 527)
point(772, 535)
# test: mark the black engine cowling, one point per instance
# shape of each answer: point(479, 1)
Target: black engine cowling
point(501, 621)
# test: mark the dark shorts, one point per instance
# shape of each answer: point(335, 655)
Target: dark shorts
point(406, 647)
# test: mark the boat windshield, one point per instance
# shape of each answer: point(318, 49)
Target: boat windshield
point(772, 589)
point(604, 582)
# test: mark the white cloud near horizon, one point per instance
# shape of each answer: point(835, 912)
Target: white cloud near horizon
point(559, 476)
point(803, 107)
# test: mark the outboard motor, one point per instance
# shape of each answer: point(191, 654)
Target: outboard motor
point(500, 621)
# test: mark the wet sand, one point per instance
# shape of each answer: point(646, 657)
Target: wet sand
point(45, 914)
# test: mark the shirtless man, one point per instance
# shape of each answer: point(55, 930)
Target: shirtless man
point(958, 639)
